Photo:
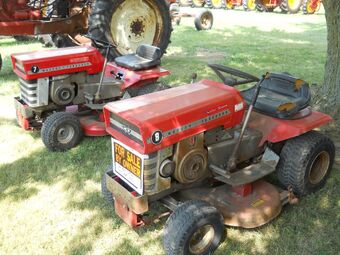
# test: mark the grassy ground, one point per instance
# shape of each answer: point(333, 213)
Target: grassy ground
point(50, 203)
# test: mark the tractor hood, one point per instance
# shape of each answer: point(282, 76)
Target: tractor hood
point(40, 64)
point(151, 122)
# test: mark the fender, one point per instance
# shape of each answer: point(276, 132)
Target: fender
point(276, 130)
point(132, 78)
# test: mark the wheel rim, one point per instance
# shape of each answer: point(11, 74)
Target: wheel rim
point(197, 2)
point(293, 4)
point(217, 3)
point(251, 4)
point(311, 8)
point(201, 239)
point(230, 4)
point(65, 134)
point(319, 168)
point(206, 21)
point(135, 23)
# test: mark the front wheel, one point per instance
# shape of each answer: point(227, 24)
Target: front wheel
point(310, 6)
point(61, 131)
point(249, 5)
point(306, 162)
point(195, 227)
point(204, 20)
point(293, 6)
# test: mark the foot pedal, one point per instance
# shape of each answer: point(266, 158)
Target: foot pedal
point(248, 174)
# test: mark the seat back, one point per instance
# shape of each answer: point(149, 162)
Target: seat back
point(149, 52)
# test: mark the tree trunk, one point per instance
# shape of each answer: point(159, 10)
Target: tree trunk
point(331, 88)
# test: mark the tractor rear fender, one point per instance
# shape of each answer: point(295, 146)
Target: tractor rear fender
point(276, 130)
point(137, 78)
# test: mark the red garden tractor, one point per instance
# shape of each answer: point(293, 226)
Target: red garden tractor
point(290, 6)
point(203, 150)
point(63, 91)
point(229, 4)
point(311, 6)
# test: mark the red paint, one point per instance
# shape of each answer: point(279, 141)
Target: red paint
point(169, 109)
point(22, 121)
point(93, 125)
point(276, 130)
point(129, 217)
point(243, 190)
point(57, 58)
point(135, 78)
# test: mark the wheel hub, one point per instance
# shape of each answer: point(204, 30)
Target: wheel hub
point(65, 134)
point(319, 168)
point(201, 239)
point(134, 23)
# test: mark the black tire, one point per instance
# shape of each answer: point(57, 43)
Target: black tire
point(22, 38)
point(106, 11)
point(150, 88)
point(204, 20)
point(307, 8)
point(293, 7)
point(249, 5)
point(0, 62)
point(105, 192)
point(221, 4)
point(260, 8)
point(283, 7)
point(56, 127)
point(185, 221)
point(197, 3)
point(301, 159)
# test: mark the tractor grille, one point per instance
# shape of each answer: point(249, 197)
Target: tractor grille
point(126, 128)
point(34, 93)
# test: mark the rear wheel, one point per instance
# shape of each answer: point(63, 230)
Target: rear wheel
point(249, 5)
point(195, 227)
point(293, 6)
point(310, 6)
point(217, 4)
point(197, 3)
point(204, 20)
point(61, 131)
point(306, 162)
point(128, 24)
point(0, 62)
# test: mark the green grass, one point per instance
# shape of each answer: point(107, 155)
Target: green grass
point(50, 203)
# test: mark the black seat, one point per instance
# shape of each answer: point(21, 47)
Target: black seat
point(146, 56)
point(281, 96)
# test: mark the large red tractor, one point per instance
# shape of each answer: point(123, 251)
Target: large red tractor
point(311, 6)
point(203, 149)
point(127, 24)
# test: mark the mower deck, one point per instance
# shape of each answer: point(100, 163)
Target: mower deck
point(262, 204)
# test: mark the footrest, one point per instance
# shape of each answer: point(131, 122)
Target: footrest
point(248, 174)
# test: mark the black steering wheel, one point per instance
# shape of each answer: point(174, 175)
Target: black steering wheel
point(221, 70)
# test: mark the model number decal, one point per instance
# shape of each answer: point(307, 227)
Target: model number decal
point(190, 125)
point(35, 69)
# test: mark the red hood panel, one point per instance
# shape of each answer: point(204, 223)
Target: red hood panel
point(39, 64)
point(172, 114)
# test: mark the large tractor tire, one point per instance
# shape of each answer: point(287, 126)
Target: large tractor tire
point(293, 6)
point(283, 7)
point(249, 5)
point(197, 3)
point(309, 7)
point(128, 24)
point(217, 4)
point(306, 162)
point(0, 62)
